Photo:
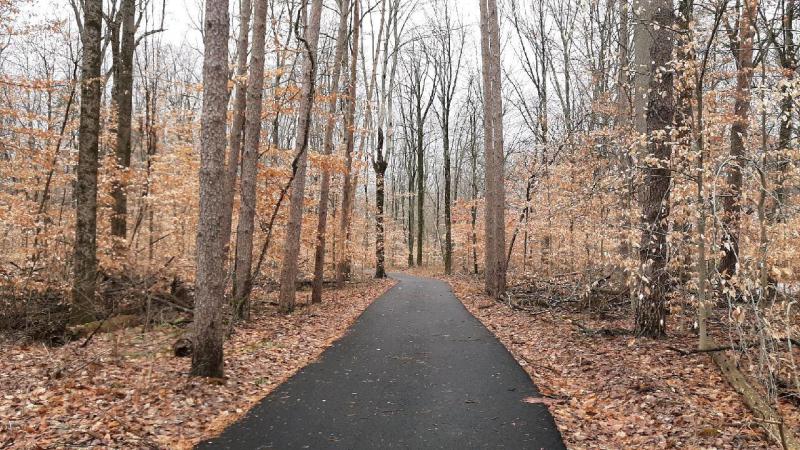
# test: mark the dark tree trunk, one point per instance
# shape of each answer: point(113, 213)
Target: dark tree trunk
point(651, 307)
point(123, 99)
point(731, 200)
point(85, 270)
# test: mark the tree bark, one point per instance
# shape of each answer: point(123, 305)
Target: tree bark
point(343, 265)
point(211, 252)
point(252, 140)
point(123, 100)
point(294, 226)
point(742, 47)
point(85, 270)
point(655, 196)
point(493, 143)
point(237, 126)
point(327, 146)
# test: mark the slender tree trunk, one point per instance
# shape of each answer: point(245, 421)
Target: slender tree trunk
point(653, 253)
point(85, 270)
point(420, 186)
point(252, 140)
point(123, 99)
point(327, 146)
point(448, 222)
point(237, 126)
point(343, 265)
point(295, 224)
point(786, 130)
point(410, 222)
point(731, 201)
point(208, 324)
point(380, 166)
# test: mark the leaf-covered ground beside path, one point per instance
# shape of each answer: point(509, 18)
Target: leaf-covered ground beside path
point(126, 390)
point(615, 392)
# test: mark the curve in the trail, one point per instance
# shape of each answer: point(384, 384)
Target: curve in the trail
point(415, 371)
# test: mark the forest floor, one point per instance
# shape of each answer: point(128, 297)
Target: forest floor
point(127, 390)
point(610, 391)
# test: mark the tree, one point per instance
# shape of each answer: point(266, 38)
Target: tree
point(294, 226)
point(211, 252)
point(421, 98)
point(85, 247)
point(741, 42)
point(494, 153)
point(236, 134)
point(123, 100)
point(327, 148)
point(650, 310)
point(447, 67)
point(250, 150)
point(343, 265)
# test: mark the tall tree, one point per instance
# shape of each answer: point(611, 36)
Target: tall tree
point(494, 149)
point(236, 133)
point(250, 151)
point(421, 99)
point(741, 41)
point(327, 149)
point(211, 251)
point(650, 310)
point(380, 161)
point(450, 40)
point(343, 265)
point(85, 270)
point(123, 100)
point(294, 226)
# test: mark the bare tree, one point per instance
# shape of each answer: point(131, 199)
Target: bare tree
point(651, 305)
point(493, 143)
point(450, 40)
point(123, 100)
point(327, 148)
point(294, 226)
point(741, 35)
point(343, 265)
point(211, 252)
point(85, 270)
point(250, 151)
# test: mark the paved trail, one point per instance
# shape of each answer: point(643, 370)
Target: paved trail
point(416, 371)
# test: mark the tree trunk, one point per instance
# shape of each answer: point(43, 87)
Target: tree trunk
point(252, 140)
point(448, 225)
point(343, 265)
point(123, 99)
point(295, 224)
point(732, 197)
point(211, 252)
point(237, 127)
point(327, 146)
point(380, 166)
point(85, 270)
point(653, 253)
point(420, 185)
point(493, 142)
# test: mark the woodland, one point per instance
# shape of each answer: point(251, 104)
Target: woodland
point(202, 195)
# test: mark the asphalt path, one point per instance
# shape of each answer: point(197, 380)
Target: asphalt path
point(415, 371)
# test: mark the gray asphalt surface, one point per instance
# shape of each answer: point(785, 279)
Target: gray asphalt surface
point(416, 371)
